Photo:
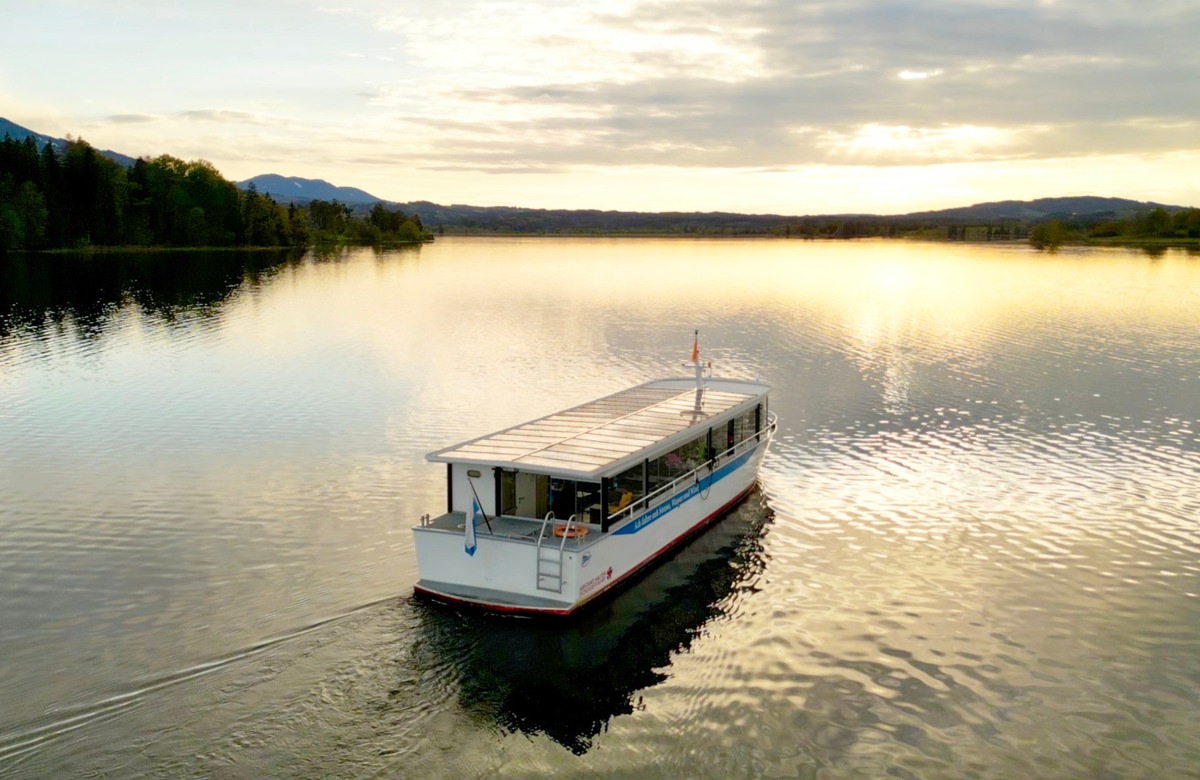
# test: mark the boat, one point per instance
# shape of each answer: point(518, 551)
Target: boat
point(547, 517)
point(570, 679)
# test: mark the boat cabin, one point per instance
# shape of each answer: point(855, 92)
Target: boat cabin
point(604, 461)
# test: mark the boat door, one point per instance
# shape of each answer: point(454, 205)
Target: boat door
point(525, 495)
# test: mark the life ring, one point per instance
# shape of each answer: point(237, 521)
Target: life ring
point(562, 530)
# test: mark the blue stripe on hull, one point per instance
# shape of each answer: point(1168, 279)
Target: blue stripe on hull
point(679, 499)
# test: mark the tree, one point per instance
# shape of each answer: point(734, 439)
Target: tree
point(78, 197)
point(1048, 235)
point(410, 231)
point(1156, 222)
point(31, 208)
point(263, 220)
point(1187, 223)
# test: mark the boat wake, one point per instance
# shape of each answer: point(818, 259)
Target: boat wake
point(29, 738)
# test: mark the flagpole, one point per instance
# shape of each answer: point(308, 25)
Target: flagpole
point(479, 504)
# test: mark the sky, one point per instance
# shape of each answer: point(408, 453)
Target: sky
point(753, 106)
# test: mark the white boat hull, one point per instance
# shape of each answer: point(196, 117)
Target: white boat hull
point(504, 574)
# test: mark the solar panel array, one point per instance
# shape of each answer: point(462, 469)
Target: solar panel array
point(588, 439)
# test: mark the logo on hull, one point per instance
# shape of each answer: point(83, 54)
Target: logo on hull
point(595, 582)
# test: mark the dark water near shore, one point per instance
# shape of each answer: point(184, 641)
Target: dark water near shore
point(975, 550)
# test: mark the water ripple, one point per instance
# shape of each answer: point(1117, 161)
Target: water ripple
point(975, 550)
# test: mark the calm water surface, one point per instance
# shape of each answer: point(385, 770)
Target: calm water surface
point(975, 550)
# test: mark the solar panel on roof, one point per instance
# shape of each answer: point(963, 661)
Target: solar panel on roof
point(592, 436)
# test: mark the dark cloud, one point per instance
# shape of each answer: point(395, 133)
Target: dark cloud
point(1065, 78)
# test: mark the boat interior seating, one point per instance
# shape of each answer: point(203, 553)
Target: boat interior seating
point(626, 500)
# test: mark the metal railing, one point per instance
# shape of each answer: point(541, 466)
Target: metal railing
point(571, 529)
point(685, 481)
point(656, 497)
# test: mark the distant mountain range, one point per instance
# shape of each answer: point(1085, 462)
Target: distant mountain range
point(295, 189)
point(1087, 209)
point(18, 133)
point(457, 217)
point(515, 219)
point(298, 190)
point(1044, 208)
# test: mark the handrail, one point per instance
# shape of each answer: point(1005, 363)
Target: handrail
point(572, 522)
point(693, 475)
point(541, 533)
point(567, 533)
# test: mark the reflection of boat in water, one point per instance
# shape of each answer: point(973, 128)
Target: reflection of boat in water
point(577, 502)
point(568, 681)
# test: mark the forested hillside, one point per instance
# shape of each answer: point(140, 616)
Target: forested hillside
point(79, 198)
point(57, 194)
point(1073, 218)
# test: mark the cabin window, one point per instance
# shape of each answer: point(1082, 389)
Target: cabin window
point(677, 462)
point(562, 497)
point(743, 427)
point(581, 499)
point(628, 488)
point(587, 502)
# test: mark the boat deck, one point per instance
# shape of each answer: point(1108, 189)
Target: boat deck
point(513, 529)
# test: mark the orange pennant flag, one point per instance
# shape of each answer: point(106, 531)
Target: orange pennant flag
point(696, 347)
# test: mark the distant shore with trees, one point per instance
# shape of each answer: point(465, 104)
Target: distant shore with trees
point(78, 199)
point(1152, 226)
point(1156, 226)
point(1042, 222)
point(67, 196)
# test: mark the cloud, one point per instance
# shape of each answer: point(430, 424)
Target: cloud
point(728, 84)
point(900, 143)
point(230, 116)
point(132, 119)
point(594, 96)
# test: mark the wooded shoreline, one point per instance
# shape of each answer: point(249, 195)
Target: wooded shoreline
point(80, 200)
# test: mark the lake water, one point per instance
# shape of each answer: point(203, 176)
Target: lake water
point(974, 552)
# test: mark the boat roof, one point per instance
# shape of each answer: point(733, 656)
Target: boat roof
point(600, 436)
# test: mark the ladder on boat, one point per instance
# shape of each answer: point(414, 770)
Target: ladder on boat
point(550, 556)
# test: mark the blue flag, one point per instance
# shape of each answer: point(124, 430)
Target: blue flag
point(469, 543)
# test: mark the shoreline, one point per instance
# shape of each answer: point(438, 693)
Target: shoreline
point(140, 249)
point(1127, 242)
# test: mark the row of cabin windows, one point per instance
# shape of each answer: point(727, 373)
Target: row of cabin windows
point(637, 482)
point(532, 495)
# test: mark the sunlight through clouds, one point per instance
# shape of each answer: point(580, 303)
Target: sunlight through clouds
point(895, 142)
point(560, 103)
point(555, 42)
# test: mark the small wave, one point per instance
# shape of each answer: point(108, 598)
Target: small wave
point(31, 737)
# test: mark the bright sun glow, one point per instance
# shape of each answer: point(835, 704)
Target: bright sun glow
point(936, 143)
